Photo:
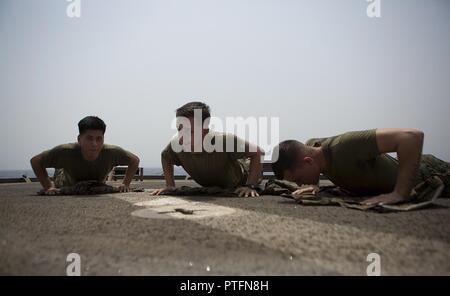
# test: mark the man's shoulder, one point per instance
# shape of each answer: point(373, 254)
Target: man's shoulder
point(62, 152)
point(66, 147)
point(349, 138)
point(361, 134)
point(113, 149)
point(352, 145)
point(108, 147)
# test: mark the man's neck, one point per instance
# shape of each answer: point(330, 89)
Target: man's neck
point(87, 158)
point(319, 158)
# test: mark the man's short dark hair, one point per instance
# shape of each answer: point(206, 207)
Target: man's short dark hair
point(91, 123)
point(187, 110)
point(288, 152)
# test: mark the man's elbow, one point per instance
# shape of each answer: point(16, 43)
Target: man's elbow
point(165, 156)
point(413, 136)
point(135, 160)
point(418, 135)
point(35, 161)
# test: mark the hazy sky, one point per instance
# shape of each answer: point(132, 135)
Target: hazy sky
point(322, 67)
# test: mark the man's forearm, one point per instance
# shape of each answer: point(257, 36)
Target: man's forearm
point(168, 172)
point(131, 171)
point(409, 154)
point(255, 169)
point(41, 174)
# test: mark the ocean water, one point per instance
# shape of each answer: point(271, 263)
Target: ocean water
point(20, 173)
point(29, 173)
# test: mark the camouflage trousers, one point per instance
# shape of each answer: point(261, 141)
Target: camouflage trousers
point(87, 188)
point(59, 178)
point(433, 166)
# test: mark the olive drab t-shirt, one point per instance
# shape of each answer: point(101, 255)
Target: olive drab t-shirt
point(226, 169)
point(69, 158)
point(354, 163)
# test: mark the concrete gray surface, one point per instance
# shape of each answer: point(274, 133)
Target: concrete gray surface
point(262, 236)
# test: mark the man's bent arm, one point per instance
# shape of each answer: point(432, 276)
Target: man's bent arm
point(255, 169)
point(167, 166)
point(408, 144)
point(41, 172)
point(133, 166)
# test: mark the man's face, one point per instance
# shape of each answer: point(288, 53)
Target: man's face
point(91, 143)
point(188, 131)
point(305, 172)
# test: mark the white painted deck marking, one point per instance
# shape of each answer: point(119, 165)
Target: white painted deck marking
point(165, 208)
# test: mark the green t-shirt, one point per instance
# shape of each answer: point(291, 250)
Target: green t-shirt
point(69, 158)
point(354, 163)
point(225, 168)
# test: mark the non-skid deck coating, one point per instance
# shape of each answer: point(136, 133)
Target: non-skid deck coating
point(137, 234)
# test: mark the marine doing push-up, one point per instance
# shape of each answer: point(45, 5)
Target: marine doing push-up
point(358, 162)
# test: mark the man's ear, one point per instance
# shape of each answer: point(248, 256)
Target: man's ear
point(78, 139)
point(308, 160)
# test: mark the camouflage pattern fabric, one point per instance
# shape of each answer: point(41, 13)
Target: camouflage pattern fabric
point(87, 188)
point(204, 191)
point(433, 166)
point(59, 178)
point(423, 195)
